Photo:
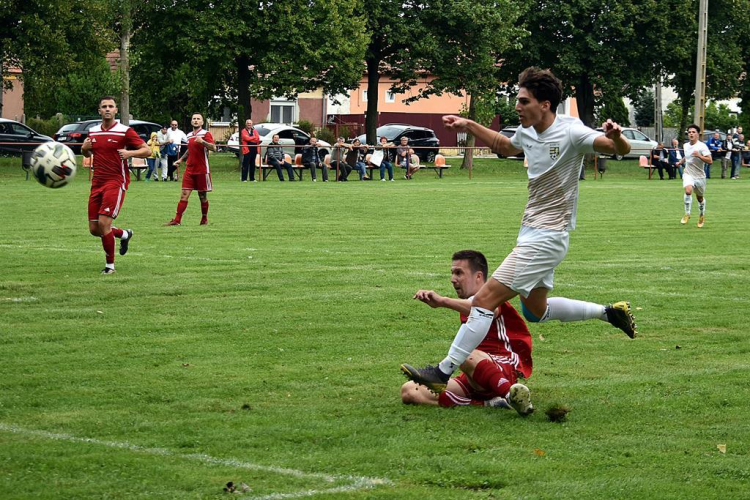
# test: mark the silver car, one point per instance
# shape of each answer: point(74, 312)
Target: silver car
point(290, 137)
point(640, 143)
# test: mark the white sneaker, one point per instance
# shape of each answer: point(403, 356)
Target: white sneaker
point(382, 180)
point(520, 399)
point(315, 180)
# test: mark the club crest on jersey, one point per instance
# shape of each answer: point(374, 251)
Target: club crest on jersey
point(554, 150)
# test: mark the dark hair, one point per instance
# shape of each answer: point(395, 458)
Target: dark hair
point(197, 113)
point(107, 98)
point(543, 85)
point(696, 127)
point(477, 261)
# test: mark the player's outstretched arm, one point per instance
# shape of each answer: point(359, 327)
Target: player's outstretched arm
point(434, 299)
point(497, 141)
point(612, 142)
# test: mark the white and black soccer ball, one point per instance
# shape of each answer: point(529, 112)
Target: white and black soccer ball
point(53, 164)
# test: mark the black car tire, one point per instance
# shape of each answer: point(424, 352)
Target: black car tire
point(430, 158)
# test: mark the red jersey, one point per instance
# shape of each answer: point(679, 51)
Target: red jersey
point(107, 164)
point(197, 160)
point(249, 138)
point(508, 338)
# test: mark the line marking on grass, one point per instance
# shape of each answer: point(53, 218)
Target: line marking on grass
point(355, 482)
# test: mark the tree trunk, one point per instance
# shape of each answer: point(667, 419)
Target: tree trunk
point(585, 100)
point(373, 80)
point(125, 63)
point(468, 160)
point(245, 110)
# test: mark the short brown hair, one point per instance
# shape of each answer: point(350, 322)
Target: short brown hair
point(477, 261)
point(543, 85)
point(107, 98)
point(696, 127)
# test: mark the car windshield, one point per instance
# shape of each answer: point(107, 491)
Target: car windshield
point(68, 128)
point(262, 131)
point(389, 132)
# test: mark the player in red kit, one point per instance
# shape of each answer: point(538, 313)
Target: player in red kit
point(197, 173)
point(110, 145)
point(490, 373)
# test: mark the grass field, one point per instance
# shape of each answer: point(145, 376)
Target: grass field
point(264, 348)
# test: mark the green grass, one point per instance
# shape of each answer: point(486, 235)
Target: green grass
point(271, 340)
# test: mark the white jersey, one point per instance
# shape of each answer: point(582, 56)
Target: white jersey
point(693, 164)
point(555, 157)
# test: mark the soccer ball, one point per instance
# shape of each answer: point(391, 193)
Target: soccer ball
point(53, 164)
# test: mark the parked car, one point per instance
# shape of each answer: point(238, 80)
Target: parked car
point(510, 132)
point(76, 133)
point(288, 136)
point(640, 143)
point(423, 140)
point(16, 138)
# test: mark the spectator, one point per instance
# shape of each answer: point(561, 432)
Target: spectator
point(249, 137)
point(660, 158)
point(403, 157)
point(746, 155)
point(381, 158)
point(275, 158)
point(738, 145)
point(311, 160)
point(161, 136)
point(356, 159)
point(338, 159)
point(716, 146)
point(675, 156)
point(153, 144)
point(176, 138)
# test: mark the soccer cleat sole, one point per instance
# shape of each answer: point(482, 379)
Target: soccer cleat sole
point(519, 398)
point(701, 221)
point(620, 316)
point(413, 374)
point(108, 270)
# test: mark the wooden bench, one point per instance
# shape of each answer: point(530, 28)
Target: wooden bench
point(438, 167)
point(138, 165)
point(264, 169)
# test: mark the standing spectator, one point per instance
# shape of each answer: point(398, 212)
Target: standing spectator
point(176, 138)
point(197, 175)
point(746, 155)
point(660, 158)
point(311, 160)
point(356, 159)
point(675, 156)
point(161, 136)
point(338, 159)
point(250, 140)
point(275, 158)
point(716, 146)
point(381, 158)
point(153, 144)
point(738, 145)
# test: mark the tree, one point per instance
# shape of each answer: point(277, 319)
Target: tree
point(225, 52)
point(719, 117)
point(592, 45)
point(612, 107)
point(644, 108)
point(49, 39)
point(462, 50)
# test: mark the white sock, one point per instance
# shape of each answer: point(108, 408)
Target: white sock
point(563, 309)
point(109, 266)
point(688, 203)
point(469, 336)
point(702, 206)
point(125, 234)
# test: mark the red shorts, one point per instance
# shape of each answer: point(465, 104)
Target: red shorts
point(197, 182)
point(106, 200)
point(509, 371)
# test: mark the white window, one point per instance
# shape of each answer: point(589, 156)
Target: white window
point(390, 96)
point(364, 96)
point(282, 112)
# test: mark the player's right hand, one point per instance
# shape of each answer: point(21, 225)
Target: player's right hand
point(87, 144)
point(454, 122)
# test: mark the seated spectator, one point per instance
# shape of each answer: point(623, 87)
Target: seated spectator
point(338, 159)
point(356, 159)
point(746, 155)
point(403, 157)
point(381, 158)
point(275, 158)
point(660, 159)
point(675, 155)
point(311, 160)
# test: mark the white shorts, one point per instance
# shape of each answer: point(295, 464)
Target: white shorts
point(532, 262)
point(699, 185)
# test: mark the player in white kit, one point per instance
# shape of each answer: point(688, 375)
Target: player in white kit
point(555, 147)
point(694, 177)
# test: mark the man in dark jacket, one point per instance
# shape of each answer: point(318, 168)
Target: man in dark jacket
point(275, 158)
point(311, 160)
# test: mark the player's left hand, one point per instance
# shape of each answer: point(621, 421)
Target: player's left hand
point(124, 154)
point(611, 129)
point(199, 140)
